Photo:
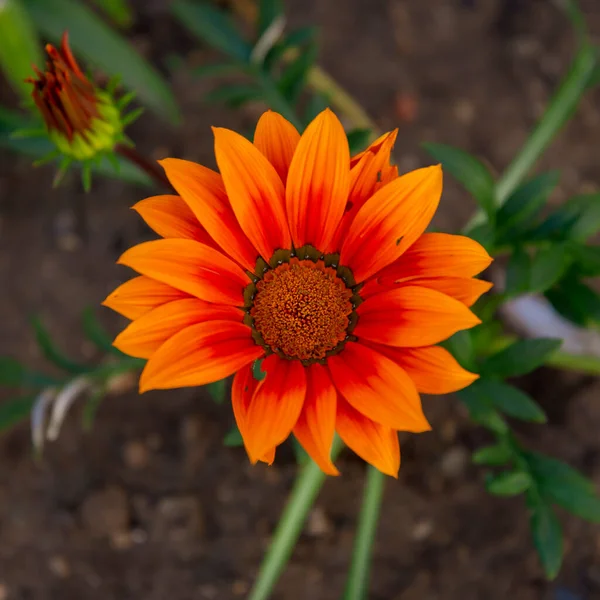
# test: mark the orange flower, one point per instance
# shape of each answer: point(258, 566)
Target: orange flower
point(316, 263)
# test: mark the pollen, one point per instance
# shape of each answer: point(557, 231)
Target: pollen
point(302, 309)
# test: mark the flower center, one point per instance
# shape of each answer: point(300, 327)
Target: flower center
point(302, 309)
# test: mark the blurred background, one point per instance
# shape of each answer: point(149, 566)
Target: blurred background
point(148, 503)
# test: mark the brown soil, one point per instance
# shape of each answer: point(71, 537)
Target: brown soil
point(149, 504)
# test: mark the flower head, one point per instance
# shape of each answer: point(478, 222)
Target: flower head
point(81, 120)
point(318, 264)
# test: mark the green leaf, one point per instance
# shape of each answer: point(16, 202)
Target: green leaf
point(471, 172)
point(293, 77)
point(117, 11)
point(233, 95)
point(548, 266)
point(20, 47)
point(484, 234)
point(509, 483)
point(576, 301)
point(577, 219)
point(587, 260)
point(217, 70)
point(213, 27)
point(218, 390)
point(460, 345)
point(547, 538)
point(563, 485)
point(523, 205)
point(496, 455)
point(481, 409)
point(14, 411)
point(520, 358)
point(94, 41)
point(233, 438)
point(52, 353)
point(14, 374)
point(90, 410)
point(97, 334)
point(268, 11)
point(518, 273)
point(512, 401)
point(358, 140)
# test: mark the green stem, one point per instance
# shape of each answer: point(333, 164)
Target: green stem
point(357, 584)
point(300, 501)
point(561, 107)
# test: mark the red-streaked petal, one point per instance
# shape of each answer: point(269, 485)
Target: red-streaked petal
point(171, 217)
point(377, 387)
point(190, 266)
point(275, 406)
point(140, 295)
point(315, 427)
point(318, 180)
point(376, 444)
point(464, 289)
point(145, 335)
point(200, 354)
point(411, 316)
point(439, 255)
point(433, 369)
point(277, 139)
point(255, 191)
point(391, 221)
point(242, 390)
point(373, 148)
point(203, 191)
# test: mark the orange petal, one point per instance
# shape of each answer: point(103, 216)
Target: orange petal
point(191, 267)
point(145, 335)
point(465, 289)
point(391, 221)
point(373, 148)
point(171, 217)
point(316, 425)
point(377, 387)
point(203, 191)
point(376, 444)
point(318, 180)
point(439, 255)
point(140, 295)
point(242, 390)
point(433, 369)
point(200, 354)
point(411, 316)
point(275, 406)
point(255, 191)
point(277, 139)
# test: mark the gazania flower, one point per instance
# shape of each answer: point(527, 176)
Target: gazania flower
point(317, 264)
point(81, 120)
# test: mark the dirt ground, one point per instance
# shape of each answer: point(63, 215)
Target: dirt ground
point(149, 504)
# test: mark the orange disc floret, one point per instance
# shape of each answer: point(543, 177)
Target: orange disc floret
point(318, 265)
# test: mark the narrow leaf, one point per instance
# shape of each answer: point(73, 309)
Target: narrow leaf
point(218, 390)
point(520, 358)
point(576, 301)
point(213, 27)
point(518, 273)
point(94, 41)
point(523, 205)
point(293, 78)
point(51, 352)
point(548, 266)
point(358, 140)
point(97, 334)
point(20, 47)
point(496, 455)
point(268, 11)
point(481, 409)
point(469, 171)
point(512, 401)
point(15, 411)
point(233, 95)
point(509, 483)
point(547, 538)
